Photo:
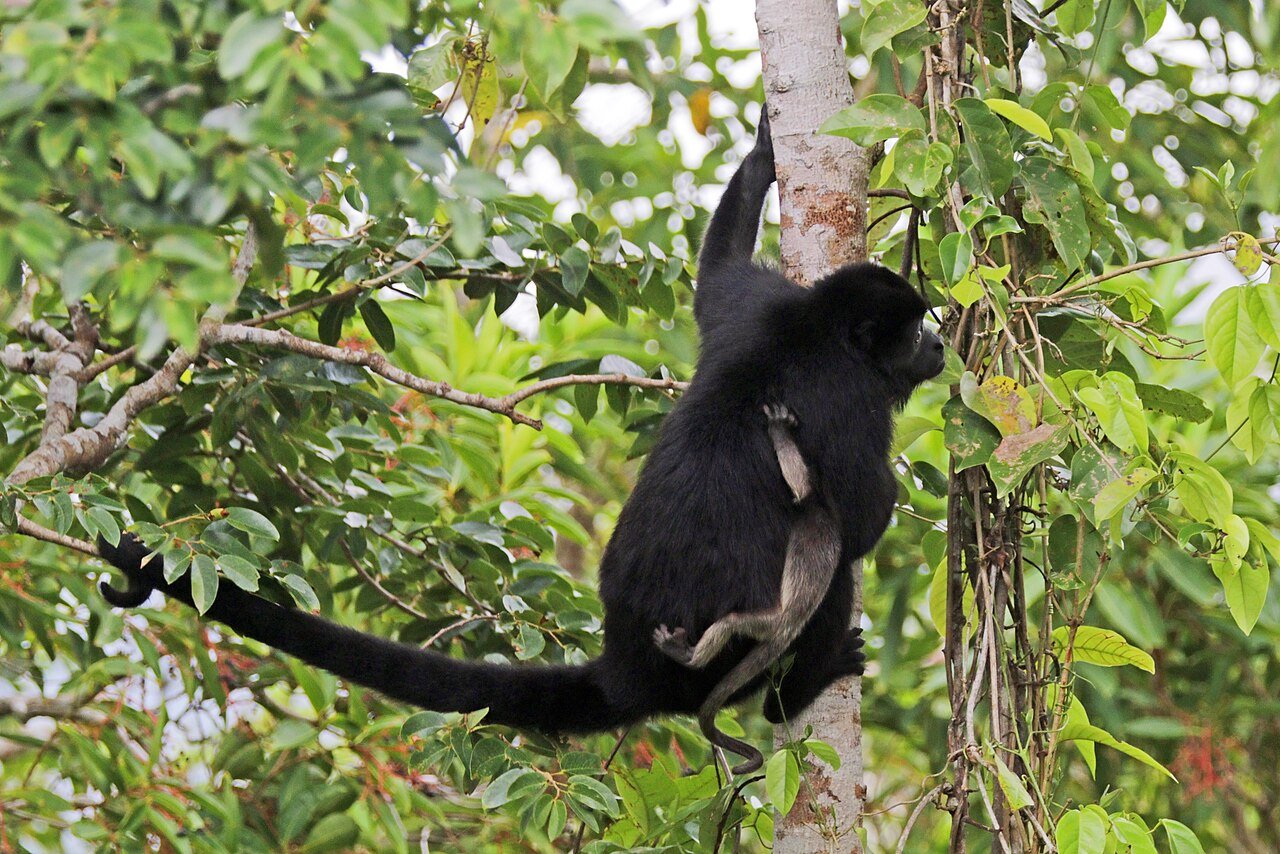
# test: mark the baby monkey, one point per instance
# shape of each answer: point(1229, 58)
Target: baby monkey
point(813, 552)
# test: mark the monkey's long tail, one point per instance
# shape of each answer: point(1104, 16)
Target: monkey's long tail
point(751, 666)
point(552, 698)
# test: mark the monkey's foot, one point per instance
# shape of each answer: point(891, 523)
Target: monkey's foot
point(674, 643)
point(778, 413)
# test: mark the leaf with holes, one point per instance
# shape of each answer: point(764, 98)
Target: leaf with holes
point(986, 141)
point(874, 119)
point(967, 435)
point(889, 18)
point(1054, 201)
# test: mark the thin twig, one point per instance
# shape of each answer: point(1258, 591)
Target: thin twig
point(915, 815)
point(1225, 245)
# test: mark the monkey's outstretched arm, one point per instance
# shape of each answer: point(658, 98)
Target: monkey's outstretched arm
point(731, 235)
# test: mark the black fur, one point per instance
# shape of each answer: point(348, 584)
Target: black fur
point(706, 530)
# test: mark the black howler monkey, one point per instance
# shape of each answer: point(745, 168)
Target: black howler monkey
point(706, 532)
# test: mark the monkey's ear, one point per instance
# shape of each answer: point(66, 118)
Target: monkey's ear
point(866, 335)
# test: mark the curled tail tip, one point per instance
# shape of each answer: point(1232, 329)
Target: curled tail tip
point(752, 757)
point(126, 556)
point(131, 597)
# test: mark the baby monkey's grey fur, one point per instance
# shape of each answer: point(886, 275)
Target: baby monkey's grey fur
point(812, 554)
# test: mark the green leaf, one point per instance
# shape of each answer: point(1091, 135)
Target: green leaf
point(1107, 106)
point(550, 56)
point(1081, 832)
point(245, 38)
point(500, 791)
point(1118, 408)
point(987, 143)
point(887, 19)
point(1015, 792)
point(1245, 589)
point(530, 643)
point(574, 266)
point(1182, 839)
point(593, 793)
point(1205, 494)
point(252, 522)
point(956, 253)
point(1115, 495)
point(782, 780)
point(1103, 647)
point(1132, 834)
point(919, 164)
point(432, 67)
point(1182, 405)
point(301, 592)
point(85, 265)
point(421, 724)
point(197, 249)
point(379, 324)
point(824, 751)
point(335, 832)
point(1263, 302)
point(106, 523)
point(240, 571)
point(204, 582)
point(1020, 116)
point(1230, 337)
point(874, 119)
point(1098, 735)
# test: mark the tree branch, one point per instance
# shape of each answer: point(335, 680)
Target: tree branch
point(87, 448)
point(40, 532)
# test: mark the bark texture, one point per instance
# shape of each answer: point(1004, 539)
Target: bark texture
point(822, 186)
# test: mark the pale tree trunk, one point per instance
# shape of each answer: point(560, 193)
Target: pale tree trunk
point(822, 185)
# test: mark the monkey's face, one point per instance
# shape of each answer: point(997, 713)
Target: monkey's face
point(920, 354)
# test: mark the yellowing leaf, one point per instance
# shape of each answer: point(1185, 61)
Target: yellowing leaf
point(1248, 258)
point(1002, 401)
point(1115, 495)
point(480, 86)
point(700, 110)
point(1020, 116)
point(1103, 647)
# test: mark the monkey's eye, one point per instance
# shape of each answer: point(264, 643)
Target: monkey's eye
point(919, 335)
